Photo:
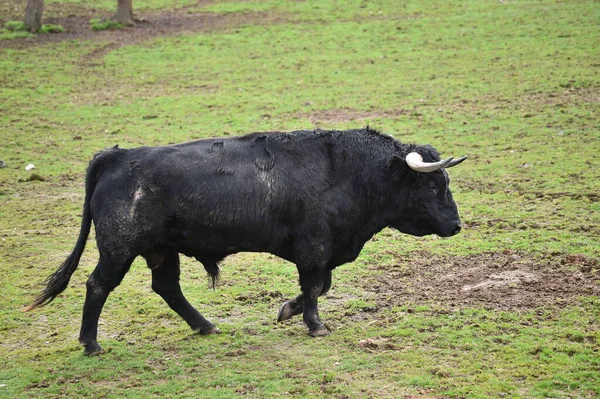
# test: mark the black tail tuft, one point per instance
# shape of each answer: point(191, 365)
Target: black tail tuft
point(56, 283)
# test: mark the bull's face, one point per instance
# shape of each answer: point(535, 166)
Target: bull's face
point(428, 207)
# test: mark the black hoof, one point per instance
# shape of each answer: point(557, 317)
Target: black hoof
point(208, 331)
point(93, 349)
point(285, 312)
point(95, 352)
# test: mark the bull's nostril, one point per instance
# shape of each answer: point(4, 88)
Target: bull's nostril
point(457, 230)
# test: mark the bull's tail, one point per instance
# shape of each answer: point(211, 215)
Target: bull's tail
point(57, 282)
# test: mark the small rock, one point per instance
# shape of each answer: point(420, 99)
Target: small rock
point(2, 164)
point(30, 166)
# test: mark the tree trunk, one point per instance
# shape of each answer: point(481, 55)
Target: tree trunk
point(124, 13)
point(33, 15)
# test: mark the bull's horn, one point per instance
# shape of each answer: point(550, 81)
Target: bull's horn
point(414, 161)
point(456, 161)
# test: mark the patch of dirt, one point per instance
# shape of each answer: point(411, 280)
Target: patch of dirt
point(592, 197)
point(246, 389)
point(569, 97)
point(562, 97)
point(347, 114)
point(76, 22)
point(507, 280)
point(262, 296)
point(518, 187)
point(377, 344)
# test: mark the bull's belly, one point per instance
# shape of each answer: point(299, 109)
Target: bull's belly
point(206, 240)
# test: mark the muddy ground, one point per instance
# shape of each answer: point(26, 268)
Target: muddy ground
point(506, 281)
point(151, 24)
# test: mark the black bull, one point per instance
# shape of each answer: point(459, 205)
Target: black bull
point(311, 197)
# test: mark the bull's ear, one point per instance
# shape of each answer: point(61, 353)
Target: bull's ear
point(395, 162)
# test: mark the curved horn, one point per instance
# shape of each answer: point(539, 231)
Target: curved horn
point(415, 162)
point(455, 162)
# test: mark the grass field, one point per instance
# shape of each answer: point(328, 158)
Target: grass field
point(508, 308)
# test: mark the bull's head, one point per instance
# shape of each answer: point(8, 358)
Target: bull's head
point(429, 208)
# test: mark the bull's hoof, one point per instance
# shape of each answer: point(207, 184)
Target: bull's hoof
point(285, 312)
point(96, 352)
point(93, 349)
point(208, 331)
point(319, 332)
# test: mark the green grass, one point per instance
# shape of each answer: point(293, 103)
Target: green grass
point(98, 24)
point(18, 29)
point(14, 30)
point(15, 26)
point(6, 34)
point(514, 85)
point(52, 28)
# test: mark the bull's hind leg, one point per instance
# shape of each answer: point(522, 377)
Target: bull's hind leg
point(295, 306)
point(106, 277)
point(165, 282)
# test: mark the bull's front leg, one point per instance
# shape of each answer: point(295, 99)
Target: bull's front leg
point(312, 256)
point(312, 283)
point(291, 308)
point(295, 306)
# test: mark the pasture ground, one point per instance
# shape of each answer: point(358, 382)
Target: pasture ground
point(508, 308)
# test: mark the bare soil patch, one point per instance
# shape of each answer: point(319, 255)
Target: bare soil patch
point(569, 97)
point(507, 280)
point(340, 115)
point(162, 23)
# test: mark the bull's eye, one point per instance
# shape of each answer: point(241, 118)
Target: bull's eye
point(432, 187)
